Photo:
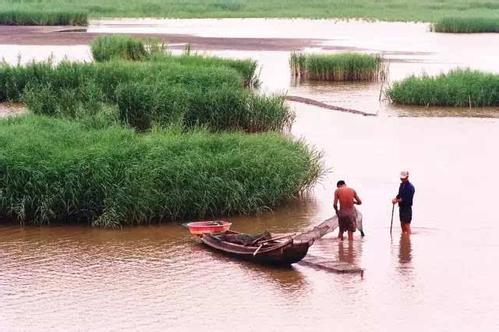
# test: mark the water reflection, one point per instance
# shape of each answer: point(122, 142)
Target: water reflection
point(287, 279)
point(405, 250)
point(294, 216)
point(338, 251)
point(346, 253)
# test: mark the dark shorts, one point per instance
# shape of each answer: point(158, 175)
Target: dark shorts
point(405, 213)
point(347, 222)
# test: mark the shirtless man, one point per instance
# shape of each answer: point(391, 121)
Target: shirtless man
point(347, 214)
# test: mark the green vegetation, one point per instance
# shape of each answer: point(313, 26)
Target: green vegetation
point(466, 25)
point(186, 90)
point(247, 68)
point(337, 67)
point(27, 16)
point(54, 170)
point(74, 159)
point(105, 48)
point(122, 47)
point(457, 88)
point(390, 10)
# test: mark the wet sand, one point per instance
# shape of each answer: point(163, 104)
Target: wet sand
point(63, 35)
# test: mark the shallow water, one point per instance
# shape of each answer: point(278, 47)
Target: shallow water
point(156, 278)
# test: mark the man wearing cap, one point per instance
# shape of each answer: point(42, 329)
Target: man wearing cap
point(404, 199)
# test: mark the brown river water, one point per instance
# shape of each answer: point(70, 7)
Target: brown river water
point(155, 278)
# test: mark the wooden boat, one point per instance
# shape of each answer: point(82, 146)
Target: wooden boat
point(275, 249)
point(266, 248)
point(199, 228)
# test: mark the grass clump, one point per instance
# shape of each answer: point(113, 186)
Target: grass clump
point(42, 17)
point(224, 108)
point(460, 87)
point(55, 170)
point(247, 68)
point(337, 67)
point(161, 92)
point(118, 47)
point(466, 25)
point(105, 48)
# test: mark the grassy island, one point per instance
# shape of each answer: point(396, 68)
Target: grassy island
point(55, 170)
point(460, 87)
point(162, 90)
point(161, 138)
point(466, 25)
point(337, 67)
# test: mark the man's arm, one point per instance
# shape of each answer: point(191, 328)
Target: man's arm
point(356, 198)
point(397, 198)
point(335, 204)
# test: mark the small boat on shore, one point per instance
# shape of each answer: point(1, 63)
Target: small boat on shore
point(264, 248)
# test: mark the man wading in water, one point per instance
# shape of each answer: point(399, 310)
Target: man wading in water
point(404, 199)
point(347, 214)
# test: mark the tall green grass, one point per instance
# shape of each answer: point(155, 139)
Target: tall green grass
point(105, 48)
point(388, 10)
point(122, 47)
point(159, 92)
point(247, 68)
point(108, 75)
point(460, 87)
point(337, 67)
point(141, 106)
point(466, 25)
point(43, 17)
point(54, 170)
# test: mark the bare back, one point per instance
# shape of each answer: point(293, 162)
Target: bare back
point(346, 197)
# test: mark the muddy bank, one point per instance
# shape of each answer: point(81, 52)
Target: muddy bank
point(61, 35)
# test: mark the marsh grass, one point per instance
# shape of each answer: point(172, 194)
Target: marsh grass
point(460, 88)
point(42, 17)
point(141, 106)
point(337, 67)
point(105, 48)
point(386, 10)
point(466, 25)
point(55, 170)
point(159, 92)
point(122, 47)
point(247, 68)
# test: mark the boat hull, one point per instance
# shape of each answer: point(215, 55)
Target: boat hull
point(285, 253)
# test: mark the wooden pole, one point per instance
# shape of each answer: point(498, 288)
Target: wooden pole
point(391, 223)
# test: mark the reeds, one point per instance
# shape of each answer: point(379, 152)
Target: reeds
point(142, 106)
point(122, 47)
point(119, 47)
point(36, 17)
point(459, 87)
point(55, 170)
point(105, 48)
point(337, 67)
point(466, 25)
point(159, 92)
point(247, 68)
